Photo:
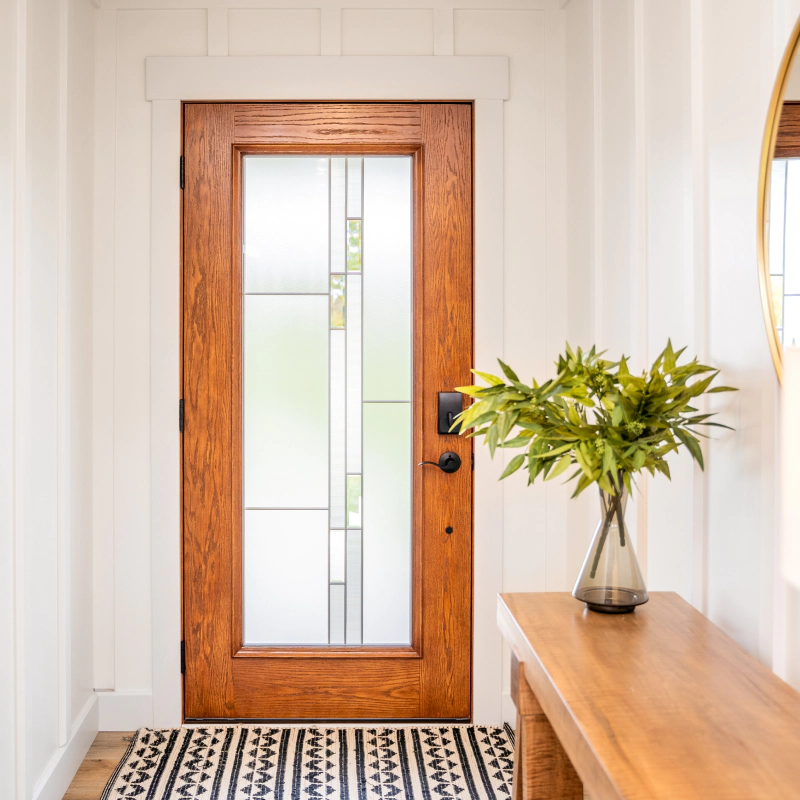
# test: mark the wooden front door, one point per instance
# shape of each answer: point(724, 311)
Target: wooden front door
point(327, 300)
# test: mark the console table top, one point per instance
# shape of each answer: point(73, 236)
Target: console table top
point(659, 703)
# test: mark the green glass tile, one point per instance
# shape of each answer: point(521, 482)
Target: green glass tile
point(354, 245)
point(353, 501)
point(337, 301)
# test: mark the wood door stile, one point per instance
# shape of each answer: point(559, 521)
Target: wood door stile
point(225, 678)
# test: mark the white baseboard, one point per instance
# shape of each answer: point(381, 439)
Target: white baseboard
point(125, 710)
point(62, 767)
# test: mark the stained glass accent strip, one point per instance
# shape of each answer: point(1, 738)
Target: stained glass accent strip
point(353, 501)
point(353, 587)
point(354, 182)
point(354, 374)
point(336, 610)
point(354, 245)
point(338, 214)
point(337, 301)
point(337, 430)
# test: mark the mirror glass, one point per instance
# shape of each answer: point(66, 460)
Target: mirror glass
point(779, 208)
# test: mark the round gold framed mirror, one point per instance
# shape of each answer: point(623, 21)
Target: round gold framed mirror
point(779, 208)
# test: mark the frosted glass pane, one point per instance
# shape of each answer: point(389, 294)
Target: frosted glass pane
point(354, 167)
point(354, 245)
point(337, 557)
point(285, 235)
point(337, 301)
point(791, 321)
point(337, 214)
point(387, 278)
point(337, 614)
point(792, 237)
point(353, 587)
point(777, 208)
point(286, 401)
point(285, 577)
point(387, 523)
point(353, 501)
point(354, 375)
point(338, 471)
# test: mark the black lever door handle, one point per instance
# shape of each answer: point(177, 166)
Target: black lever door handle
point(448, 462)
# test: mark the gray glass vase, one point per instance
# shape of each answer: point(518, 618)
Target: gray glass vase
point(610, 580)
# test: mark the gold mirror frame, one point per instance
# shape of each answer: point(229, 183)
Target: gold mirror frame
point(765, 171)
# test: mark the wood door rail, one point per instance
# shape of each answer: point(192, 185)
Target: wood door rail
point(656, 704)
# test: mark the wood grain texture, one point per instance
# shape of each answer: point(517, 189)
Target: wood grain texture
point(432, 678)
point(98, 765)
point(296, 123)
point(327, 688)
point(542, 770)
point(787, 143)
point(445, 355)
point(207, 380)
point(656, 704)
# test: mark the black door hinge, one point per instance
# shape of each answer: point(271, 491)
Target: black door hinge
point(473, 461)
point(180, 416)
point(183, 658)
point(183, 172)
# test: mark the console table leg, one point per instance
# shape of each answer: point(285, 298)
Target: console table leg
point(542, 770)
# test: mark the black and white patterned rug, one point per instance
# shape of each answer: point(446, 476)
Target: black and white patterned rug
point(250, 761)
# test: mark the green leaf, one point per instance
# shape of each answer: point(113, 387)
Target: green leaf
point(491, 438)
point(492, 380)
point(513, 465)
point(562, 465)
point(692, 445)
point(507, 371)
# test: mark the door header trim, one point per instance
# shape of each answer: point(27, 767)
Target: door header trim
point(269, 78)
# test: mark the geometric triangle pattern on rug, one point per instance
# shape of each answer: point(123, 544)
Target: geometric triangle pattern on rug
point(245, 762)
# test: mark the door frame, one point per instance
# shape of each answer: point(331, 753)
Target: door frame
point(482, 80)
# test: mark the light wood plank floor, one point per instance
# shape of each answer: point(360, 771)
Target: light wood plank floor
point(101, 760)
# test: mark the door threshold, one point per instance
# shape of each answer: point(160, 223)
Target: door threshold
point(339, 723)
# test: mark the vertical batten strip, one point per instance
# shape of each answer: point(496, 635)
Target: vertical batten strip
point(103, 347)
point(597, 148)
point(217, 31)
point(330, 37)
point(639, 262)
point(63, 391)
point(698, 291)
point(443, 43)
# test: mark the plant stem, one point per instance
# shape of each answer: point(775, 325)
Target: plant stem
point(603, 536)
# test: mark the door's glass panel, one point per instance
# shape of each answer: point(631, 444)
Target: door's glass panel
point(354, 176)
point(286, 213)
point(338, 214)
point(286, 401)
point(353, 587)
point(354, 375)
point(311, 548)
point(337, 574)
point(337, 301)
point(353, 501)
point(337, 430)
point(354, 245)
point(387, 279)
point(337, 613)
point(387, 523)
point(285, 577)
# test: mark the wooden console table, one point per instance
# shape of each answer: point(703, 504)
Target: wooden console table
point(657, 704)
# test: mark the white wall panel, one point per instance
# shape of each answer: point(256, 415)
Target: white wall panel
point(273, 32)
point(387, 32)
point(140, 34)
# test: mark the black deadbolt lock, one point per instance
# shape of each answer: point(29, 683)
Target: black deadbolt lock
point(449, 409)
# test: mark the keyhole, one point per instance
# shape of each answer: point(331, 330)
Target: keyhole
point(448, 529)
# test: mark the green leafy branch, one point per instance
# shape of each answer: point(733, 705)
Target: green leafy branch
point(594, 416)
